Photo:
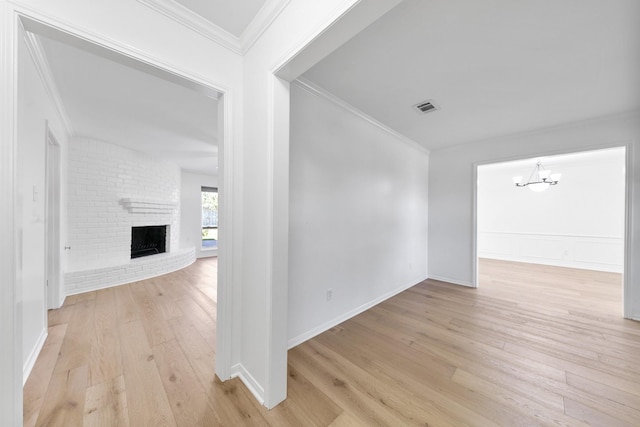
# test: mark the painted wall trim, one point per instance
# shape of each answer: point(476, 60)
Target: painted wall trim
point(546, 130)
point(627, 291)
point(33, 356)
point(227, 322)
point(349, 18)
point(195, 22)
point(571, 251)
point(268, 13)
point(318, 91)
point(36, 22)
point(348, 315)
point(239, 371)
point(10, 316)
point(44, 70)
point(561, 235)
point(452, 281)
point(207, 253)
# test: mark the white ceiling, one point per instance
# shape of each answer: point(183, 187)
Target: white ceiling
point(232, 16)
point(116, 103)
point(495, 67)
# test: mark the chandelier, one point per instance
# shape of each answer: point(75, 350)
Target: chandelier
point(539, 180)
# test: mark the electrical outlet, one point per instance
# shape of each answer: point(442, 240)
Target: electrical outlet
point(329, 294)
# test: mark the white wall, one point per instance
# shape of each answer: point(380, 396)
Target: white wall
point(35, 110)
point(451, 196)
point(191, 211)
point(302, 26)
point(358, 214)
point(566, 225)
point(254, 174)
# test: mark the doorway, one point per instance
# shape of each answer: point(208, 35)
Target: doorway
point(578, 223)
point(54, 163)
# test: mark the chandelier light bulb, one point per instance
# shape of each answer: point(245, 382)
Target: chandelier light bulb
point(544, 174)
point(539, 180)
point(538, 187)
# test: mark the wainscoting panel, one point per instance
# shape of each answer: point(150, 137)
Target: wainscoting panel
point(588, 252)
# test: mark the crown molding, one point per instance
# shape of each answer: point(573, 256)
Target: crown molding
point(323, 93)
point(240, 45)
point(195, 22)
point(263, 20)
point(36, 51)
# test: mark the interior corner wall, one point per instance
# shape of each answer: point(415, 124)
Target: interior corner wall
point(191, 211)
point(263, 338)
point(451, 189)
point(35, 110)
point(303, 33)
point(358, 215)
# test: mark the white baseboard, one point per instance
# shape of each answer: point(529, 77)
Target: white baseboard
point(33, 356)
point(62, 299)
point(206, 253)
point(450, 280)
point(346, 316)
point(247, 379)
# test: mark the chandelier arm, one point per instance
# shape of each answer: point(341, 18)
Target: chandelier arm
point(540, 180)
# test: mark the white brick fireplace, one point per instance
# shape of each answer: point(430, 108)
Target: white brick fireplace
point(111, 190)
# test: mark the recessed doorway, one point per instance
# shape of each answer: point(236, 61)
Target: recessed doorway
point(575, 228)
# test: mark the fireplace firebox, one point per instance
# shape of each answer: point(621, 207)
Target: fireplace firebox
point(149, 240)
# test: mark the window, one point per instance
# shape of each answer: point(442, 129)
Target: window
point(209, 217)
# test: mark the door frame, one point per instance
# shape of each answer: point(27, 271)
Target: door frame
point(52, 226)
point(628, 146)
point(15, 18)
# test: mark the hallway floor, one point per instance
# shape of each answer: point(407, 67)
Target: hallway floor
point(533, 345)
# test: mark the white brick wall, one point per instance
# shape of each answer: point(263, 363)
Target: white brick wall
point(137, 269)
point(100, 176)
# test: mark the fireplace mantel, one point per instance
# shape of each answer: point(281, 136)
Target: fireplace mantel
point(144, 205)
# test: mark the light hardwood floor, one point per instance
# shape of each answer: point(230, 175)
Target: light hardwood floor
point(533, 345)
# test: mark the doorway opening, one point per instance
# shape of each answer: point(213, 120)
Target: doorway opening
point(55, 202)
point(571, 232)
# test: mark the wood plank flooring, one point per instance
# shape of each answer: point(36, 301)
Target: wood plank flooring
point(533, 345)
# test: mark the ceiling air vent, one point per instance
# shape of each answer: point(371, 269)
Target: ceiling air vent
point(425, 107)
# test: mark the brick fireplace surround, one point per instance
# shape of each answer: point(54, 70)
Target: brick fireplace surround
point(110, 190)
